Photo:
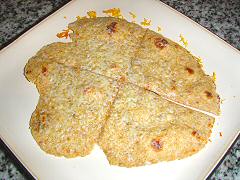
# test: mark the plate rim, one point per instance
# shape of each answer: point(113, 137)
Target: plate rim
point(17, 161)
point(219, 161)
point(13, 155)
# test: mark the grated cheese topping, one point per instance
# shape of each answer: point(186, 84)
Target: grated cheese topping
point(92, 14)
point(114, 12)
point(146, 22)
point(63, 34)
point(183, 40)
point(214, 77)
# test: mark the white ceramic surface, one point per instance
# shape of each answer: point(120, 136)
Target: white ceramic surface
point(18, 97)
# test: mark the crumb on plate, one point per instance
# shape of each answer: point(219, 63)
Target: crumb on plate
point(92, 14)
point(63, 34)
point(183, 40)
point(114, 12)
point(214, 77)
point(220, 133)
point(146, 22)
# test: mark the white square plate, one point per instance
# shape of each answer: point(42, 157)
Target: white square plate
point(18, 97)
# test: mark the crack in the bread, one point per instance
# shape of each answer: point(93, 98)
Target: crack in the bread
point(108, 115)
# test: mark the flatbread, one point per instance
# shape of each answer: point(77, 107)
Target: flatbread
point(110, 42)
point(72, 109)
point(80, 102)
point(163, 66)
point(144, 128)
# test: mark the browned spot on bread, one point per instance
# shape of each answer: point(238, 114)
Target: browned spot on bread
point(174, 88)
point(210, 125)
point(208, 94)
point(160, 43)
point(44, 119)
point(112, 28)
point(122, 79)
point(194, 133)
point(157, 145)
point(189, 70)
point(88, 90)
point(29, 71)
point(197, 135)
point(44, 70)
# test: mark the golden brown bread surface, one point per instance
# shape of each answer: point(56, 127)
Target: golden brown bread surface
point(168, 69)
point(145, 128)
point(72, 109)
point(81, 102)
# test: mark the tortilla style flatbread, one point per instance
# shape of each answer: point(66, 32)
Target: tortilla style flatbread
point(72, 109)
point(144, 128)
point(163, 66)
point(77, 100)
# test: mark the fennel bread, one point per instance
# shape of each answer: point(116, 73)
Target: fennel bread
point(112, 86)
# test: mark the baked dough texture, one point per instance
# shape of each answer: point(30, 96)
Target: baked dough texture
point(113, 86)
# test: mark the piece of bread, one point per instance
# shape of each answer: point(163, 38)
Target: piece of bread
point(163, 66)
point(72, 109)
point(112, 85)
point(144, 128)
